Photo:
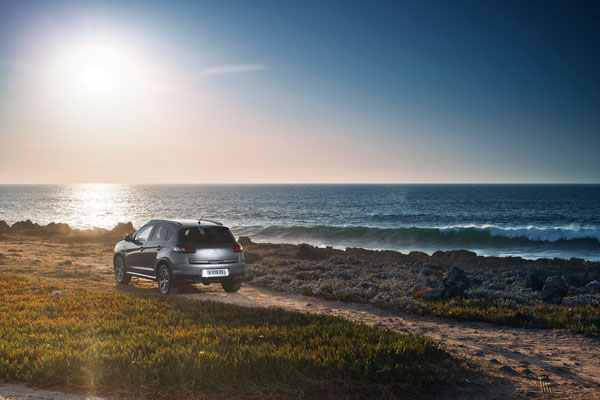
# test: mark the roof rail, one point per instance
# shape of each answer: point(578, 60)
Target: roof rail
point(209, 220)
point(167, 220)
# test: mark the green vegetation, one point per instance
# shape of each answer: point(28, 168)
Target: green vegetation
point(583, 319)
point(93, 342)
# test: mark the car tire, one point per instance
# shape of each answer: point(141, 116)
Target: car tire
point(121, 275)
point(166, 283)
point(231, 286)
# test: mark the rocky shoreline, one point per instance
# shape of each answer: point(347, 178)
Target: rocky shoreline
point(389, 278)
point(383, 278)
point(59, 228)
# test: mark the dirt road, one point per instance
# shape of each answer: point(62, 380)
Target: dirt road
point(541, 363)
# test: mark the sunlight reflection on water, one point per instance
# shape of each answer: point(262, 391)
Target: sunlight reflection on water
point(373, 216)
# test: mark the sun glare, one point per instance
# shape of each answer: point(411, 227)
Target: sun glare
point(97, 71)
point(102, 69)
point(95, 79)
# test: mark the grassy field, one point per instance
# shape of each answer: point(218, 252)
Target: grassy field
point(93, 342)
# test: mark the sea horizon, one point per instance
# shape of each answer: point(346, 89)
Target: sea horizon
point(526, 220)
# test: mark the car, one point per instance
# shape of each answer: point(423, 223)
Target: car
point(176, 252)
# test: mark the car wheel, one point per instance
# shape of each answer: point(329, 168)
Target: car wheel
point(231, 286)
point(121, 275)
point(166, 284)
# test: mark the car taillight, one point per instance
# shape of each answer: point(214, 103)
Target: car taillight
point(182, 248)
point(237, 248)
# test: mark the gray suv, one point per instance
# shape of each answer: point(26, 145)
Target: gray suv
point(175, 252)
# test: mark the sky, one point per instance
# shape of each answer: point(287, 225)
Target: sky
point(299, 92)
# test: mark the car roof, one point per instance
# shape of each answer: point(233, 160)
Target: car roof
point(186, 223)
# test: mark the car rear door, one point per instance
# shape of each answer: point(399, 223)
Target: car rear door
point(134, 255)
point(150, 250)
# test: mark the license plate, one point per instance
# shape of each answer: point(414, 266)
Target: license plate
point(211, 273)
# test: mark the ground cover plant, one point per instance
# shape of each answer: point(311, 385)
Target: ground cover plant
point(498, 294)
point(577, 319)
point(580, 319)
point(90, 341)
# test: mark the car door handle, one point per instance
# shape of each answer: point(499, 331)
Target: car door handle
point(158, 247)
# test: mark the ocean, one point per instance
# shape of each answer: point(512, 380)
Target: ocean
point(531, 221)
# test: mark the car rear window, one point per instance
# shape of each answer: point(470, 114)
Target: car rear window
point(206, 235)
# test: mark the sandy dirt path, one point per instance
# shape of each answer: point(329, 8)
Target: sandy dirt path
point(21, 391)
point(541, 363)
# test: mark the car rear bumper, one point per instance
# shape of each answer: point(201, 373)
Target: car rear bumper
point(193, 272)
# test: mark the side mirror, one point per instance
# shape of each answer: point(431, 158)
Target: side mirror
point(128, 237)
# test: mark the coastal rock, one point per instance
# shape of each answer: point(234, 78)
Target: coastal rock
point(419, 256)
point(56, 228)
point(245, 241)
point(437, 292)
point(123, 228)
point(533, 280)
point(554, 290)
point(307, 251)
point(24, 226)
point(453, 284)
point(4, 227)
point(593, 287)
point(453, 257)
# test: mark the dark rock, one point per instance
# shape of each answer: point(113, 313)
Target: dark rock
point(594, 275)
point(123, 228)
point(307, 251)
point(593, 287)
point(554, 290)
point(435, 293)
point(533, 280)
point(54, 228)
point(453, 284)
point(456, 282)
point(4, 227)
point(245, 241)
point(438, 255)
point(453, 257)
point(419, 256)
point(24, 226)
point(577, 279)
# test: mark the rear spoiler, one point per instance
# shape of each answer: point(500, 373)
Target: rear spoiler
point(209, 220)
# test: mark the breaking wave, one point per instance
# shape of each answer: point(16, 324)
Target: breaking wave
point(442, 237)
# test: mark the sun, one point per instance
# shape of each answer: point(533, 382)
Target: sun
point(97, 70)
point(95, 79)
point(101, 69)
